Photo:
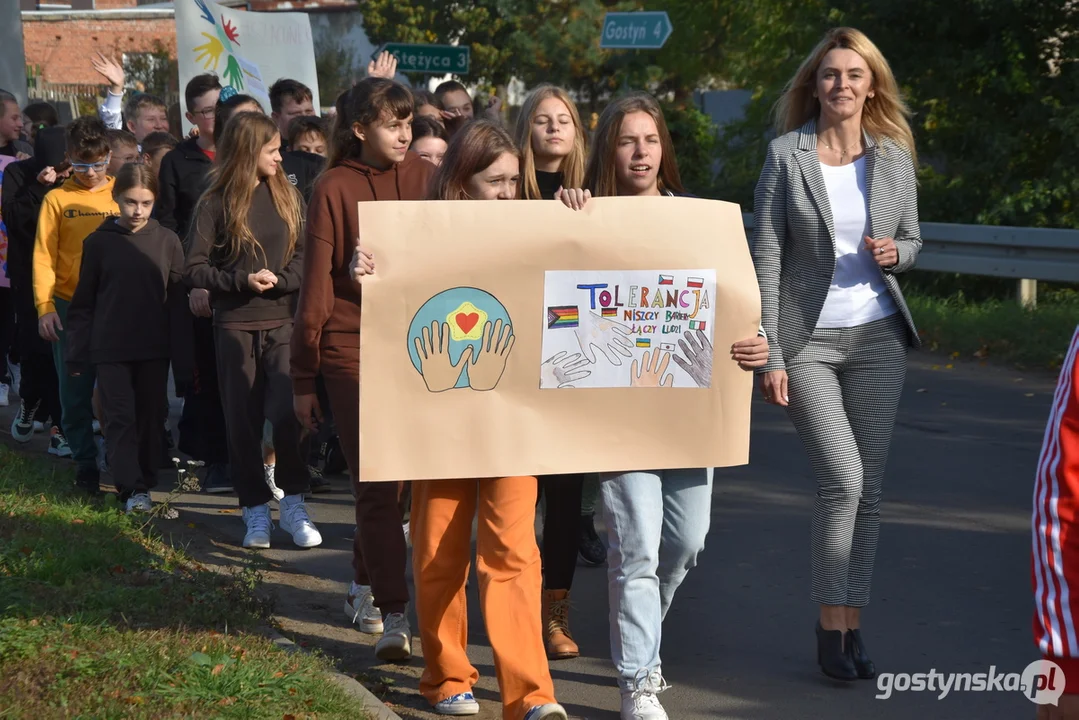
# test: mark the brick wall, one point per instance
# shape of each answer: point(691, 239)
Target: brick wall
point(63, 43)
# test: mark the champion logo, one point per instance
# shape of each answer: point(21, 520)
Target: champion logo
point(72, 213)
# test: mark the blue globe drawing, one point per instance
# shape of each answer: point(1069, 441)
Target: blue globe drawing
point(438, 308)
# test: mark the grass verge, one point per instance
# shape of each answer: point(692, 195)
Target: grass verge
point(997, 330)
point(100, 618)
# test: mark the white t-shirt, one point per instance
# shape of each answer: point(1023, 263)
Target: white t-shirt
point(858, 294)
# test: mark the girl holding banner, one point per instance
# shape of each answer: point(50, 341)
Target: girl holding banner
point(657, 520)
point(482, 163)
point(369, 161)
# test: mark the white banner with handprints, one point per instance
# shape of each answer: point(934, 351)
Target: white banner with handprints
point(249, 51)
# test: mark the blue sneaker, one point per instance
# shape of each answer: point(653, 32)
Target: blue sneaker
point(550, 710)
point(462, 704)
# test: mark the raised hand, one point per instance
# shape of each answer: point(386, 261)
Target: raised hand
point(384, 66)
point(110, 70)
point(490, 362)
point(494, 108)
point(610, 337)
point(649, 373)
point(562, 370)
point(698, 362)
point(433, 347)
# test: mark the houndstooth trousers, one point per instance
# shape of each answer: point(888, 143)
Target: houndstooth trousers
point(844, 390)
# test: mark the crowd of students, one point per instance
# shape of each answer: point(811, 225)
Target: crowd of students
point(234, 256)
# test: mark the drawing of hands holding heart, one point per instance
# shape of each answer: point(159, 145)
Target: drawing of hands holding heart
point(461, 338)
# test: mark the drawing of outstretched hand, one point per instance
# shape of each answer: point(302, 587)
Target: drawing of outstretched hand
point(650, 373)
point(433, 347)
point(205, 11)
point(698, 362)
point(234, 74)
point(610, 337)
point(490, 362)
point(211, 51)
point(562, 370)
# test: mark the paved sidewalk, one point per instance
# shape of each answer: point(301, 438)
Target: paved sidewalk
point(952, 589)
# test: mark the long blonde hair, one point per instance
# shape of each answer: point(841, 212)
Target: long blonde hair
point(600, 176)
point(885, 115)
point(232, 180)
point(572, 165)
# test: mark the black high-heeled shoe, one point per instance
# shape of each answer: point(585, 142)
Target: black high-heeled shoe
point(833, 658)
point(859, 657)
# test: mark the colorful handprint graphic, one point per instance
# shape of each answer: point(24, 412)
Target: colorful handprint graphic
point(218, 43)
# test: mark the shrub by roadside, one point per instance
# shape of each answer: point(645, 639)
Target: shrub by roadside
point(100, 617)
point(997, 330)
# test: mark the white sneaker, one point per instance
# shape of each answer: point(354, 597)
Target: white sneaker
point(360, 608)
point(269, 471)
point(22, 427)
point(3, 395)
point(642, 703)
point(396, 641)
point(406, 529)
point(139, 502)
point(257, 520)
point(294, 520)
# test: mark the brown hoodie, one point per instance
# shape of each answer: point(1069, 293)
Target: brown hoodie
point(329, 306)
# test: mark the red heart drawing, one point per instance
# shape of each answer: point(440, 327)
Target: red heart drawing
point(467, 322)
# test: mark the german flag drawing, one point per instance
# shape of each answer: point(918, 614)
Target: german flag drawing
point(562, 316)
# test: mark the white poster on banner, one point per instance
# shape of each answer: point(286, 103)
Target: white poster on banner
point(249, 51)
point(628, 328)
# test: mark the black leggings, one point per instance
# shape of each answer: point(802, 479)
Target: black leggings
point(561, 529)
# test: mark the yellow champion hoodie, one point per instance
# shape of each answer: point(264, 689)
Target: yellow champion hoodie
point(69, 214)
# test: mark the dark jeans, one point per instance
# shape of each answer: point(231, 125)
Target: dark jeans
point(132, 398)
point(76, 399)
point(561, 528)
point(202, 423)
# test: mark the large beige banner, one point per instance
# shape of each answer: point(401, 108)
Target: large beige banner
point(523, 338)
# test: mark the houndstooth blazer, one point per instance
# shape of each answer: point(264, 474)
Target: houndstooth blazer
point(794, 238)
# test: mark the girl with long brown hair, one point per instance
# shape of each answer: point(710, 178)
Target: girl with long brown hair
point(482, 163)
point(551, 139)
point(836, 211)
point(369, 160)
point(245, 249)
point(656, 520)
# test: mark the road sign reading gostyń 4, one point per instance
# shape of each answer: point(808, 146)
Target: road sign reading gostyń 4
point(635, 30)
point(437, 59)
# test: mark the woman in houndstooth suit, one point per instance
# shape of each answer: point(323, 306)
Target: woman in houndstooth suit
point(836, 212)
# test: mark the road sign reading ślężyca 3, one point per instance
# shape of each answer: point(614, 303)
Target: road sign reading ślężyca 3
point(437, 59)
point(635, 30)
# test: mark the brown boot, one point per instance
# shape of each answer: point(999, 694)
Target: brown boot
point(560, 645)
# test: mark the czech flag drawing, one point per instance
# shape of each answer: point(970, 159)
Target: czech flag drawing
point(666, 279)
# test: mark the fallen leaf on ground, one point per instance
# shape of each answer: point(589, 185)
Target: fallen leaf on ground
point(136, 700)
point(226, 512)
point(218, 669)
point(226, 701)
point(279, 674)
point(78, 521)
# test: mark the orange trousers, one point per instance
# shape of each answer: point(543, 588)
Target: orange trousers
point(508, 566)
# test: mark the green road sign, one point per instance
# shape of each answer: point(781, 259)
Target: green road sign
point(436, 59)
point(635, 30)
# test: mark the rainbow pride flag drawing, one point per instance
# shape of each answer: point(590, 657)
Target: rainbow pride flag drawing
point(610, 312)
point(644, 342)
point(666, 279)
point(697, 324)
point(562, 316)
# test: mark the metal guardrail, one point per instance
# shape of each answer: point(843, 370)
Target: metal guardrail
point(995, 250)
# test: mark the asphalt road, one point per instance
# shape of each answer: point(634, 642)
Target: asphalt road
point(951, 593)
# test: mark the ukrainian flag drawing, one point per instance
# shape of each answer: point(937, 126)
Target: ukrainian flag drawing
point(563, 316)
point(697, 324)
point(644, 342)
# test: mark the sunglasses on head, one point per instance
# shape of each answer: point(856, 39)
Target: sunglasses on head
point(87, 167)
